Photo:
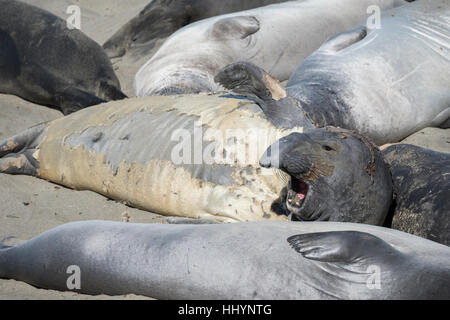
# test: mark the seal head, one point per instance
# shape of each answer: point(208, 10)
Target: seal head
point(336, 175)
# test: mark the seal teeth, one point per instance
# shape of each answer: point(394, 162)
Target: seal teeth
point(297, 193)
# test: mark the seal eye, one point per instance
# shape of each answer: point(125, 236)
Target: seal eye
point(327, 148)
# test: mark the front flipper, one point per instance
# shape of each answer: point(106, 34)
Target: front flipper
point(343, 40)
point(442, 120)
point(18, 153)
point(239, 27)
point(342, 246)
point(253, 82)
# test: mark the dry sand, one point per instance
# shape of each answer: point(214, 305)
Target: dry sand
point(30, 205)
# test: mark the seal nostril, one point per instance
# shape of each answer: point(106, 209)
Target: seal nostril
point(265, 162)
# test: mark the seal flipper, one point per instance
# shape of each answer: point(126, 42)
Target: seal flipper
point(239, 27)
point(73, 99)
point(343, 40)
point(17, 152)
point(111, 92)
point(341, 246)
point(250, 81)
point(442, 120)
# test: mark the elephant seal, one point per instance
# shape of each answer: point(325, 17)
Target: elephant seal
point(409, 184)
point(384, 83)
point(275, 37)
point(45, 62)
point(193, 156)
point(335, 175)
point(421, 180)
point(262, 260)
point(161, 18)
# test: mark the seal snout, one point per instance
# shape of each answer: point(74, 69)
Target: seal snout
point(268, 160)
point(284, 155)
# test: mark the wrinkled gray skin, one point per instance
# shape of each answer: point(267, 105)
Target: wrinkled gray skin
point(422, 191)
point(346, 177)
point(161, 18)
point(385, 83)
point(275, 37)
point(42, 61)
point(320, 260)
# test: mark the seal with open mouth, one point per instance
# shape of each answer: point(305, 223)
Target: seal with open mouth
point(335, 175)
point(338, 175)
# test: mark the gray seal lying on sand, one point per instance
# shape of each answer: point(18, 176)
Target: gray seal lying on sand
point(161, 18)
point(43, 61)
point(275, 37)
point(384, 83)
point(259, 260)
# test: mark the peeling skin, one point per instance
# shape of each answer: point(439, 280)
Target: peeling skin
point(274, 86)
point(10, 145)
point(16, 163)
point(153, 182)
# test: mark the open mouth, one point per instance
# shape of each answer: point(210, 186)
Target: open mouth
point(297, 193)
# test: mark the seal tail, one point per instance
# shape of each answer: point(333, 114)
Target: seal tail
point(3, 259)
point(17, 152)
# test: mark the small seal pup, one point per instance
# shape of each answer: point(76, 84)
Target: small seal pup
point(161, 18)
point(409, 182)
point(384, 83)
point(258, 260)
point(276, 37)
point(43, 61)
